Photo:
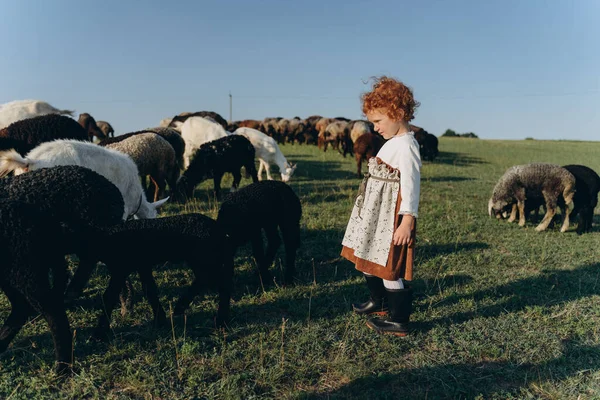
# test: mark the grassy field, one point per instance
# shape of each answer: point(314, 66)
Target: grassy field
point(500, 311)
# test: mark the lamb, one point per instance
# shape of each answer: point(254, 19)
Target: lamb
point(365, 147)
point(214, 158)
point(106, 128)
point(428, 143)
point(30, 246)
point(533, 181)
point(113, 165)
point(153, 156)
point(25, 135)
point(587, 186)
point(195, 132)
point(22, 109)
point(89, 124)
point(192, 238)
point(296, 129)
point(264, 206)
point(267, 152)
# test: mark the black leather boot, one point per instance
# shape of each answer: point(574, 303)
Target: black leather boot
point(400, 305)
point(377, 304)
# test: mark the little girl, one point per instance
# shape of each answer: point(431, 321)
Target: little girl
point(380, 236)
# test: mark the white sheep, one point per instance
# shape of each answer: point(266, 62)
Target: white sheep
point(196, 131)
point(267, 152)
point(115, 166)
point(22, 109)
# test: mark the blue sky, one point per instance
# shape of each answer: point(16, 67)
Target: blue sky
point(502, 69)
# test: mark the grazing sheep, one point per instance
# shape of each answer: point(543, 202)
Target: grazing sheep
point(267, 152)
point(538, 180)
point(22, 109)
point(282, 127)
point(153, 156)
point(193, 238)
point(175, 140)
point(89, 124)
point(31, 247)
point(296, 129)
point(269, 126)
point(113, 165)
point(27, 134)
point(195, 132)
point(587, 186)
point(365, 147)
point(428, 143)
point(264, 206)
point(321, 127)
point(214, 158)
point(106, 128)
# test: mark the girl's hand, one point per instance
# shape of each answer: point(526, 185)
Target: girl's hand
point(402, 233)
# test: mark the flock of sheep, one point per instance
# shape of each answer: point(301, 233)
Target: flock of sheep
point(65, 194)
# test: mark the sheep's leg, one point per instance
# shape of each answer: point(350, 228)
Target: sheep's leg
point(237, 178)
point(50, 306)
point(513, 213)
point(261, 165)
point(291, 242)
point(60, 277)
point(225, 285)
point(251, 169)
point(186, 299)
point(359, 166)
point(159, 187)
point(268, 170)
point(151, 292)
point(217, 182)
point(81, 276)
point(568, 194)
point(550, 212)
point(109, 300)
point(259, 256)
point(521, 207)
point(20, 311)
point(273, 243)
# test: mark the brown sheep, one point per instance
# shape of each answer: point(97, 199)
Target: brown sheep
point(106, 128)
point(365, 147)
point(89, 124)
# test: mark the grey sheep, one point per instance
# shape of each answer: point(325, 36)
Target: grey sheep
point(533, 181)
point(153, 156)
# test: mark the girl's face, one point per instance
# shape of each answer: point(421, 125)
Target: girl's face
point(387, 127)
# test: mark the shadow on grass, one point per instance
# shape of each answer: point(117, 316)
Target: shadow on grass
point(458, 159)
point(447, 179)
point(549, 288)
point(485, 379)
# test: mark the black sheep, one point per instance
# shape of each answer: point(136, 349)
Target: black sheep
point(213, 159)
point(587, 186)
point(29, 133)
point(81, 199)
point(138, 245)
point(264, 205)
point(31, 244)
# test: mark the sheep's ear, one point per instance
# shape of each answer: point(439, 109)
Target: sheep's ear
point(159, 203)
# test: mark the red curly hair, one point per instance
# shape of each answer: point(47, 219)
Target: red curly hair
point(391, 95)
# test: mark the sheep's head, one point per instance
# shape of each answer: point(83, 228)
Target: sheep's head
point(499, 208)
point(288, 172)
point(183, 190)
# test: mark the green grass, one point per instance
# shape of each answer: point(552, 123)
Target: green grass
point(500, 311)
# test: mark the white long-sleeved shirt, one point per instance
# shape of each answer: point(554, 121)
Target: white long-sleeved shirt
point(402, 152)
